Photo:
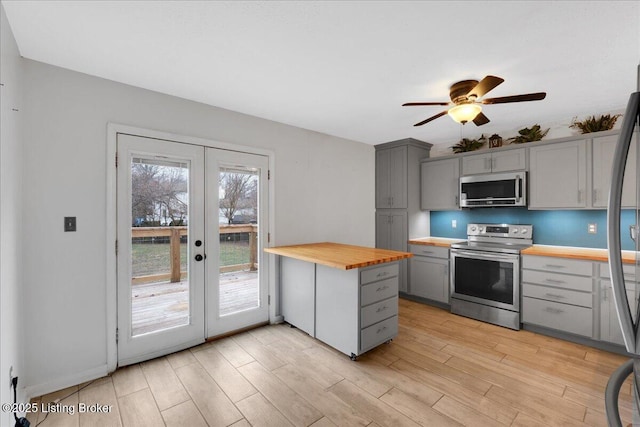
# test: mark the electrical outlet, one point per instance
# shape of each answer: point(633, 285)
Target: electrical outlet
point(454, 223)
point(592, 228)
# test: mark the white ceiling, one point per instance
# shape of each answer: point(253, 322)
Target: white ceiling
point(345, 68)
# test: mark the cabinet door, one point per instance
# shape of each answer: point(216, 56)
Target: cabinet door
point(430, 278)
point(439, 184)
point(391, 230)
point(609, 323)
point(479, 163)
point(383, 179)
point(558, 175)
point(603, 150)
point(398, 177)
point(383, 235)
point(509, 160)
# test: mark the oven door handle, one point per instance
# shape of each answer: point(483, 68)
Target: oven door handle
point(484, 255)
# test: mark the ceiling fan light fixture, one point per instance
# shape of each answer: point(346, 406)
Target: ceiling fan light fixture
point(464, 113)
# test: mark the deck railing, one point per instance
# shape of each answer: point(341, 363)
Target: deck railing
point(175, 233)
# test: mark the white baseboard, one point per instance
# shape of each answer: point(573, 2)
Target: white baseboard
point(64, 382)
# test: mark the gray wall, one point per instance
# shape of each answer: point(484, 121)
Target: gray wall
point(324, 191)
point(10, 213)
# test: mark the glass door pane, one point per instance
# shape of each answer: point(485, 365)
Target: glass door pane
point(238, 201)
point(159, 249)
point(237, 280)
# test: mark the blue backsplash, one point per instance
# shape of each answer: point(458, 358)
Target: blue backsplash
point(562, 228)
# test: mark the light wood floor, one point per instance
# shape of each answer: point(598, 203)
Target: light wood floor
point(441, 370)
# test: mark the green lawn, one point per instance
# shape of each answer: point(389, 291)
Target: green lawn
point(153, 258)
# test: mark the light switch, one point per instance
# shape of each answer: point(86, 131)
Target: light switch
point(454, 223)
point(592, 228)
point(69, 223)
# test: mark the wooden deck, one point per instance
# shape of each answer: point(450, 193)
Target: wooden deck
point(157, 306)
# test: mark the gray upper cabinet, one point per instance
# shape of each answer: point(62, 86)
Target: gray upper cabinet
point(502, 161)
point(391, 178)
point(558, 175)
point(603, 150)
point(439, 184)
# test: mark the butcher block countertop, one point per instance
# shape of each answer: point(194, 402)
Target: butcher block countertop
point(337, 255)
point(588, 254)
point(443, 242)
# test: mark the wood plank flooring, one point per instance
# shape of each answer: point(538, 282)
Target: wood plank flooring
point(441, 370)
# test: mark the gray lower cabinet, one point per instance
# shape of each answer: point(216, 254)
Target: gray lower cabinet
point(353, 310)
point(298, 287)
point(429, 273)
point(558, 293)
point(392, 233)
point(609, 324)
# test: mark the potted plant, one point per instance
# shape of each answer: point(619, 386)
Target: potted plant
point(593, 124)
point(467, 144)
point(528, 135)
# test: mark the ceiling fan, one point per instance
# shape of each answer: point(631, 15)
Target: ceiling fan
point(465, 102)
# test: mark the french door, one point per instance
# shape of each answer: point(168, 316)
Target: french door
point(190, 239)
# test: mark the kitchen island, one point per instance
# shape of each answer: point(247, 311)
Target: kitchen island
point(344, 295)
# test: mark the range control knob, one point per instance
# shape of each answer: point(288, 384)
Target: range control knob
point(481, 229)
point(524, 231)
point(514, 231)
point(473, 228)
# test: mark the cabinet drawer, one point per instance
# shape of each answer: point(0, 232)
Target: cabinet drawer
point(378, 333)
point(564, 317)
point(430, 251)
point(376, 312)
point(378, 273)
point(564, 281)
point(558, 295)
point(559, 265)
point(378, 291)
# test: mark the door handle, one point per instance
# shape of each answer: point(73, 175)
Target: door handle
point(199, 257)
point(633, 232)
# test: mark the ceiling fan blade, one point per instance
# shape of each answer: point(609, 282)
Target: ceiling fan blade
point(432, 118)
point(515, 98)
point(485, 85)
point(413, 104)
point(481, 119)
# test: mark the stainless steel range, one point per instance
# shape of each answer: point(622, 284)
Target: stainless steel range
point(485, 273)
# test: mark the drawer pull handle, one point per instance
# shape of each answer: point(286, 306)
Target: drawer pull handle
point(556, 296)
point(555, 281)
point(381, 329)
point(384, 273)
point(427, 252)
point(381, 309)
point(554, 266)
point(553, 310)
point(382, 288)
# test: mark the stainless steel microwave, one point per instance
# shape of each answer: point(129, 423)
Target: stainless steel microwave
point(495, 189)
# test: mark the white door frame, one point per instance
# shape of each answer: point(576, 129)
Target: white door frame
point(111, 230)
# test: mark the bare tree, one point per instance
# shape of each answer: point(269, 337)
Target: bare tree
point(239, 193)
point(158, 192)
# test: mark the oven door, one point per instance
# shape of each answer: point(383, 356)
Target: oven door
point(486, 278)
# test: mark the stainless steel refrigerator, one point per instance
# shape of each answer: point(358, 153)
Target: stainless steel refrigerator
point(627, 314)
